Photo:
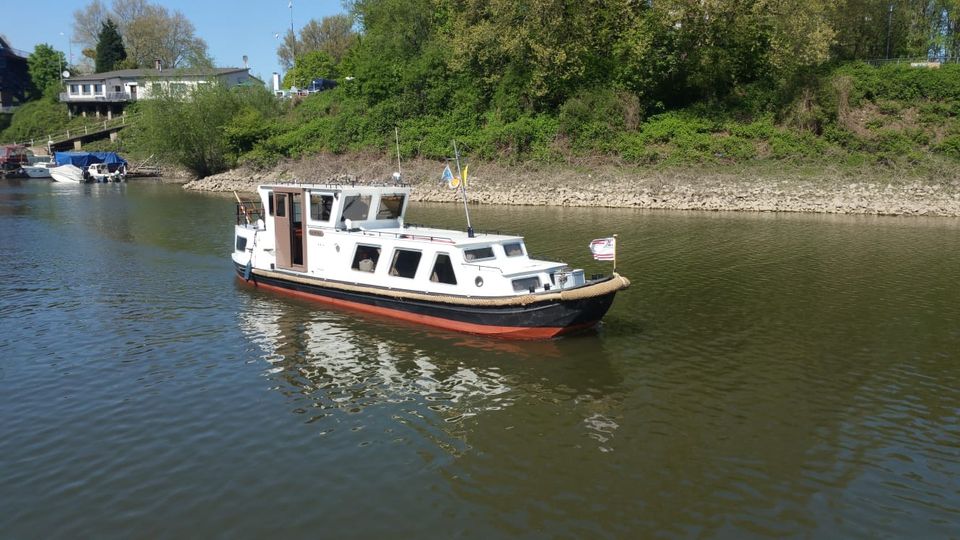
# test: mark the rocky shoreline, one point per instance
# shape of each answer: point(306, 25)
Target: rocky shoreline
point(876, 192)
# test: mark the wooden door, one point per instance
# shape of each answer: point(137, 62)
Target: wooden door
point(281, 224)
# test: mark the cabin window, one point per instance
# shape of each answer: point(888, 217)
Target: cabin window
point(86, 89)
point(443, 270)
point(98, 89)
point(74, 89)
point(280, 206)
point(355, 208)
point(320, 207)
point(478, 254)
point(270, 203)
point(526, 284)
point(390, 206)
point(117, 89)
point(513, 249)
point(366, 257)
point(241, 243)
point(405, 263)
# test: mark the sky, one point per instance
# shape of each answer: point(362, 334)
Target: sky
point(230, 28)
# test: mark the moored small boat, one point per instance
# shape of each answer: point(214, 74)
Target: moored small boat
point(38, 169)
point(68, 173)
point(349, 246)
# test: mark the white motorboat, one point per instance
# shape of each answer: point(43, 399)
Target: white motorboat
point(349, 246)
point(68, 173)
point(39, 169)
point(100, 172)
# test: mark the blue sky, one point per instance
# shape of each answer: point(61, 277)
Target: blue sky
point(231, 29)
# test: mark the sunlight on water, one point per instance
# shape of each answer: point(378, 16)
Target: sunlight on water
point(765, 376)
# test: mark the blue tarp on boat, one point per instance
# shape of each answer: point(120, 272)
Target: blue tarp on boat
point(85, 159)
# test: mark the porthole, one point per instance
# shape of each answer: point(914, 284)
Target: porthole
point(479, 281)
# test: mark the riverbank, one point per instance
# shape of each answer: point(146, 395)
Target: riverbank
point(761, 188)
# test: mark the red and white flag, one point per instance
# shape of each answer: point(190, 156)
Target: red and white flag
point(604, 249)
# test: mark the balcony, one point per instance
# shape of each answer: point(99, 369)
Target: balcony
point(109, 97)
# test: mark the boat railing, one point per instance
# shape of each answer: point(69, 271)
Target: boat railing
point(409, 236)
point(248, 212)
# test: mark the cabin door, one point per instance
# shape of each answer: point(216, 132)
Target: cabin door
point(288, 222)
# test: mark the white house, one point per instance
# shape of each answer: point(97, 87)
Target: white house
point(109, 92)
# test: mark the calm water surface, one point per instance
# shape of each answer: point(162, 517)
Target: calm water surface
point(766, 376)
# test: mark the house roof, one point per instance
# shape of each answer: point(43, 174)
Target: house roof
point(145, 73)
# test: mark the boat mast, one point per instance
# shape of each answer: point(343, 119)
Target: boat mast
point(396, 132)
point(463, 190)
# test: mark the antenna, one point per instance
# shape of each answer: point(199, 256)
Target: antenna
point(399, 175)
point(463, 191)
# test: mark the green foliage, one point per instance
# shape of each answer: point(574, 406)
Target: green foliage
point(110, 50)
point(206, 130)
point(44, 65)
point(35, 120)
point(309, 66)
point(950, 147)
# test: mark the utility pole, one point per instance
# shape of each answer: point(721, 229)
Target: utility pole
point(889, 25)
point(293, 41)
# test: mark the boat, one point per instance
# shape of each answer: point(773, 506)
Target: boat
point(38, 168)
point(349, 246)
point(68, 173)
point(80, 167)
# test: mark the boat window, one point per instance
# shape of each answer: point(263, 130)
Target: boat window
point(513, 249)
point(320, 207)
point(270, 203)
point(241, 243)
point(366, 257)
point(443, 270)
point(478, 254)
point(355, 208)
point(281, 205)
point(405, 263)
point(390, 206)
point(526, 284)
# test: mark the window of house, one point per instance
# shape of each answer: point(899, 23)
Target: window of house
point(513, 249)
point(86, 89)
point(74, 89)
point(178, 89)
point(405, 263)
point(366, 258)
point(355, 208)
point(320, 207)
point(98, 89)
point(443, 270)
point(155, 88)
point(478, 254)
point(526, 284)
point(390, 206)
point(117, 89)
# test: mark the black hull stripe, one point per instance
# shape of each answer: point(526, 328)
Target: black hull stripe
point(552, 314)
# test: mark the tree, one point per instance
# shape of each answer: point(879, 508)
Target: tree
point(316, 64)
point(205, 131)
point(44, 65)
point(333, 35)
point(150, 32)
point(110, 51)
point(158, 35)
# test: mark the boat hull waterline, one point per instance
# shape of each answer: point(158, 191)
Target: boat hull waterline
point(539, 319)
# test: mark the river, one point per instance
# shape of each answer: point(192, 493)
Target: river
point(766, 375)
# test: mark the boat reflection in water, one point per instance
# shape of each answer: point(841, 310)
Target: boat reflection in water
point(330, 361)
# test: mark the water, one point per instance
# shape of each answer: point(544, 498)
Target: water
point(766, 376)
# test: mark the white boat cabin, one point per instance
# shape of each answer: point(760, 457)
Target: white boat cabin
point(357, 234)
